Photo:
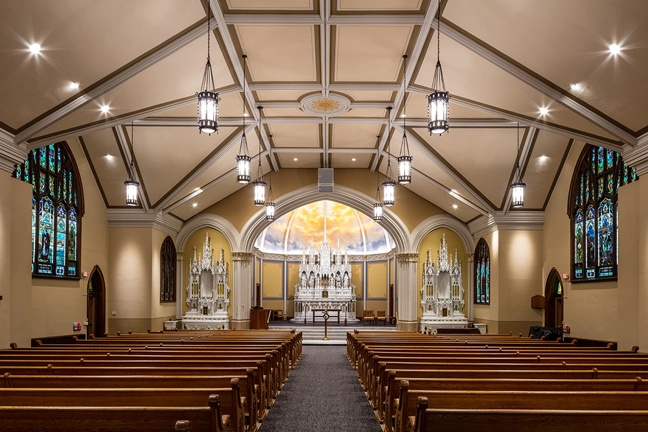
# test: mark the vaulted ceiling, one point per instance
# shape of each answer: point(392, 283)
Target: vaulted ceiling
point(325, 71)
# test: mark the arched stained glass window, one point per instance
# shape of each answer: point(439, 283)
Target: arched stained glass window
point(594, 214)
point(482, 273)
point(167, 271)
point(57, 207)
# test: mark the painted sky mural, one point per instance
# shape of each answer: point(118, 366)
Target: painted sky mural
point(294, 231)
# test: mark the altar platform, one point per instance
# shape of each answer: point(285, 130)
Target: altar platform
point(313, 334)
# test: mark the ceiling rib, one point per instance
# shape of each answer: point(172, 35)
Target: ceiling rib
point(449, 192)
point(413, 61)
point(202, 168)
point(446, 169)
point(124, 119)
point(525, 154)
point(312, 19)
point(116, 79)
point(488, 53)
point(126, 150)
point(238, 70)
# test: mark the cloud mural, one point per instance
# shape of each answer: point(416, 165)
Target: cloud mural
point(294, 231)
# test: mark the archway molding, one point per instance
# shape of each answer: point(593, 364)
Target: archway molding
point(309, 194)
point(442, 221)
point(208, 220)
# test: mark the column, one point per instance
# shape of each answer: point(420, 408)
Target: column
point(406, 284)
point(242, 288)
point(470, 289)
point(180, 287)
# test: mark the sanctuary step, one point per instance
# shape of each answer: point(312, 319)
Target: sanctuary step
point(314, 335)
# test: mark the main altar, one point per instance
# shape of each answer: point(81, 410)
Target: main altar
point(442, 293)
point(207, 292)
point(324, 284)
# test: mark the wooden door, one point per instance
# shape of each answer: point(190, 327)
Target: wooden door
point(96, 308)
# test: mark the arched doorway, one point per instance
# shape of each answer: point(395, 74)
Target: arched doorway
point(553, 300)
point(96, 303)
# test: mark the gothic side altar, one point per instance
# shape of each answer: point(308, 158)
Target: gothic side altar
point(442, 293)
point(207, 291)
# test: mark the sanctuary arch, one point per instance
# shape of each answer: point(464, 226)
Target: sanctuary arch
point(406, 267)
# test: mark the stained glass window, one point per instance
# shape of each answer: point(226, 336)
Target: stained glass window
point(57, 203)
point(593, 211)
point(482, 273)
point(167, 271)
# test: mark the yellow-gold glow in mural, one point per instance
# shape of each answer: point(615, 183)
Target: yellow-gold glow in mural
point(294, 231)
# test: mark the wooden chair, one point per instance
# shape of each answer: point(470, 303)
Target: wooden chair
point(381, 317)
point(368, 315)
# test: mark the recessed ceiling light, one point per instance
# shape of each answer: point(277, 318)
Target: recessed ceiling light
point(35, 48)
point(543, 158)
point(403, 115)
point(575, 86)
point(295, 159)
point(615, 49)
point(245, 114)
point(105, 108)
point(544, 110)
point(455, 206)
point(353, 159)
point(194, 205)
point(73, 86)
point(109, 157)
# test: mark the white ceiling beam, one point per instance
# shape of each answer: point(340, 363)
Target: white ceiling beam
point(446, 169)
point(353, 150)
point(412, 62)
point(525, 154)
point(318, 150)
point(238, 70)
point(325, 44)
point(287, 86)
point(487, 53)
point(325, 139)
point(115, 80)
point(357, 120)
point(449, 191)
point(10, 154)
point(361, 86)
point(377, 19)
point(294, 19)
point(228, 175)
point(293, 120)
point(126, 151)
point(39, 141)
point(466, 123)
point(234, 139)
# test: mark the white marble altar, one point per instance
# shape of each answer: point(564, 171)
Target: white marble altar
point(325, 283)
point(442, 293)
point(207, 292)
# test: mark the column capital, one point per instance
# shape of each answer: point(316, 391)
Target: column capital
point(637, 157)
point(470, 257)
point(407, 257)
point(10, 154)
point(242, 256)
point(180, 256)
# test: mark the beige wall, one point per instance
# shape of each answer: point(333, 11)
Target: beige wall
point(56, 304)
point(238, 208)
point(433, 241)
point(590, 309)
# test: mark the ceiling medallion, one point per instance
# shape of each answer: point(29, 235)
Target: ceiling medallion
point(332, 105)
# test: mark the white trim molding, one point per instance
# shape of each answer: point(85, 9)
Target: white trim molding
point(126, 218)
point(442, 221)
point(10, 154)
point(514, 220)
point(208, 220)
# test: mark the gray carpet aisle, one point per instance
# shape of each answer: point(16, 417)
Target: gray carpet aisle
point(322, 394)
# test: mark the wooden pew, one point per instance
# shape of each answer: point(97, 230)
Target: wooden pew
point(114, 418)
point(230, 399)
point(246, 384)
point(405, 410)
point(516, 420)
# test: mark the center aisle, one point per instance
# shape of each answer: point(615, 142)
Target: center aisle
point(322, 394)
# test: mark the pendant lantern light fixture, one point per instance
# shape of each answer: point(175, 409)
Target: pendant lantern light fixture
point(270, 205)
point(404, 157)
point(517, 188)
point(259, 184)
point(378, 205)
point(207, 97)
point(243, 158)
point(132, 187)
point(438, 100)
point(389, 185)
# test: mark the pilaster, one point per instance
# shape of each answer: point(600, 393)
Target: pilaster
point(242, 288)
point(470, 259)
point(180, 287)
point(10, 154)
point(406, 284)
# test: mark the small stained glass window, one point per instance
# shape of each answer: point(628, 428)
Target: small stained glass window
point(482, 273)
